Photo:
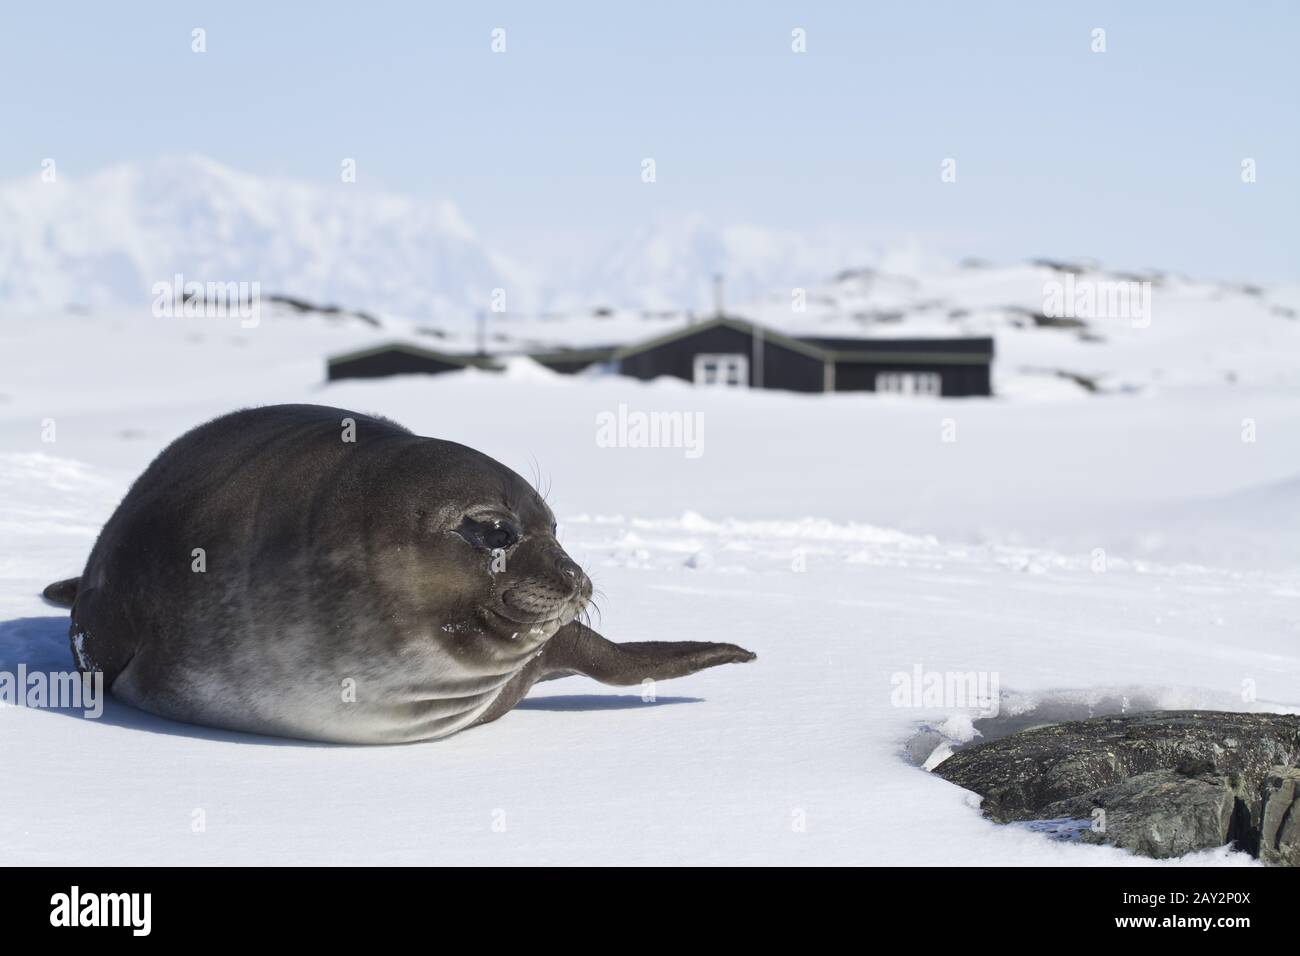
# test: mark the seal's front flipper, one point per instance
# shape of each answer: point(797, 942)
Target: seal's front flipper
point(63, 593)
point(576, 649)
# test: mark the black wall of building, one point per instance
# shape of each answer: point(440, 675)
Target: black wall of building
point(568, 366)
point(959, 381)
point(782, 368)
point(388, 363)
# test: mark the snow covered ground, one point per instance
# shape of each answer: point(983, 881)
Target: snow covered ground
point(1083, 549)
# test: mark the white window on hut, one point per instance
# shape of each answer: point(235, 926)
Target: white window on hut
point(929, 384)
point(726, 371)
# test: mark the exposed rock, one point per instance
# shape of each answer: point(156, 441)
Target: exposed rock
point(1058, 265)
point(1159, 814)
point(1056, 321)
point(1279, 835)
point(329, 311)
point(1166, 782)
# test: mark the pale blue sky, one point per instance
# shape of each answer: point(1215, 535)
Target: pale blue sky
point(1132, 156)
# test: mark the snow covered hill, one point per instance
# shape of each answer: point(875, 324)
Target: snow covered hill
point(101, 242)
point(106, 239)
point(1187, 331)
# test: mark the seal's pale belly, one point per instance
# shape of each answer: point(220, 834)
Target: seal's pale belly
point(374, 702)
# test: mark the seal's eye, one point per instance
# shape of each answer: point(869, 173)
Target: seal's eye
point(500, 536)
point(492, 533)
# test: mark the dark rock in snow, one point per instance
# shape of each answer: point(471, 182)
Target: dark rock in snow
point(1279, 836)
point(1166, 782)
point(1056, 321)
point(1158, 814)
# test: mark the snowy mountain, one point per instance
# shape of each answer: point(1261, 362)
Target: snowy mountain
point(105, 240)
point(669, 265)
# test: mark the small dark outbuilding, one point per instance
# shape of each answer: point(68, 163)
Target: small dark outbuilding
point(949, 368)
point(728, 351)
point(398, 358)
point(735, 352)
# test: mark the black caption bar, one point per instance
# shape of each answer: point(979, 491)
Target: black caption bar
point(332, 905)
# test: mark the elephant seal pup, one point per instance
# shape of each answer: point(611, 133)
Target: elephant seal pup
point(311, 572)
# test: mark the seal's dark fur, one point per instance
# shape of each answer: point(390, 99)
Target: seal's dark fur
point(306, 571)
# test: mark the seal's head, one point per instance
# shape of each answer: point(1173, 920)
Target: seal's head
point(471, 547)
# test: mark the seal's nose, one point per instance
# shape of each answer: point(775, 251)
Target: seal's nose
point(573, 574)
point(568, 567)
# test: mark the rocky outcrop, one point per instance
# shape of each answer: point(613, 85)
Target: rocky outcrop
point(1279, 832)
point(1160, 784)
point(1159, 814)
